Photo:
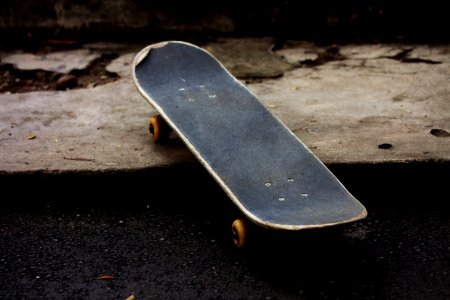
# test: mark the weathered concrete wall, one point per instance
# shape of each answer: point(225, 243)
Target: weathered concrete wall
point(299, 19)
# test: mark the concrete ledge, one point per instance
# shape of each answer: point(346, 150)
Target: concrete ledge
point(353, 104)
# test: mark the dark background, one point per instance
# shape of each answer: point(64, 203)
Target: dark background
point(323, 20)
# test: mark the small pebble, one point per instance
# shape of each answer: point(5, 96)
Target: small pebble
point(66, 82)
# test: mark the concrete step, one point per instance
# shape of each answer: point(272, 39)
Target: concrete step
point(351, 104)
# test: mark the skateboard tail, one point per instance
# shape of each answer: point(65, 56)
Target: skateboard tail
point(362, 213)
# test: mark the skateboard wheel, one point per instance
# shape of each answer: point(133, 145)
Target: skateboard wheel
point(239, 232)
point(159, 129)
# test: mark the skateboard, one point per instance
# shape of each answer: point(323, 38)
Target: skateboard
point(268, 173)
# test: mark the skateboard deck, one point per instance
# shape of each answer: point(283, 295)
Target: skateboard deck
point(269, 174)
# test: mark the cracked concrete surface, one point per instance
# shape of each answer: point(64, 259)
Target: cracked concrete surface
point(348, 104)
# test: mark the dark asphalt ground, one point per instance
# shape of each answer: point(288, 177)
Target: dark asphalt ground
point(165, 234)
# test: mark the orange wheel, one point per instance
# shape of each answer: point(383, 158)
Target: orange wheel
point(239, 232)
point(159, 129)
